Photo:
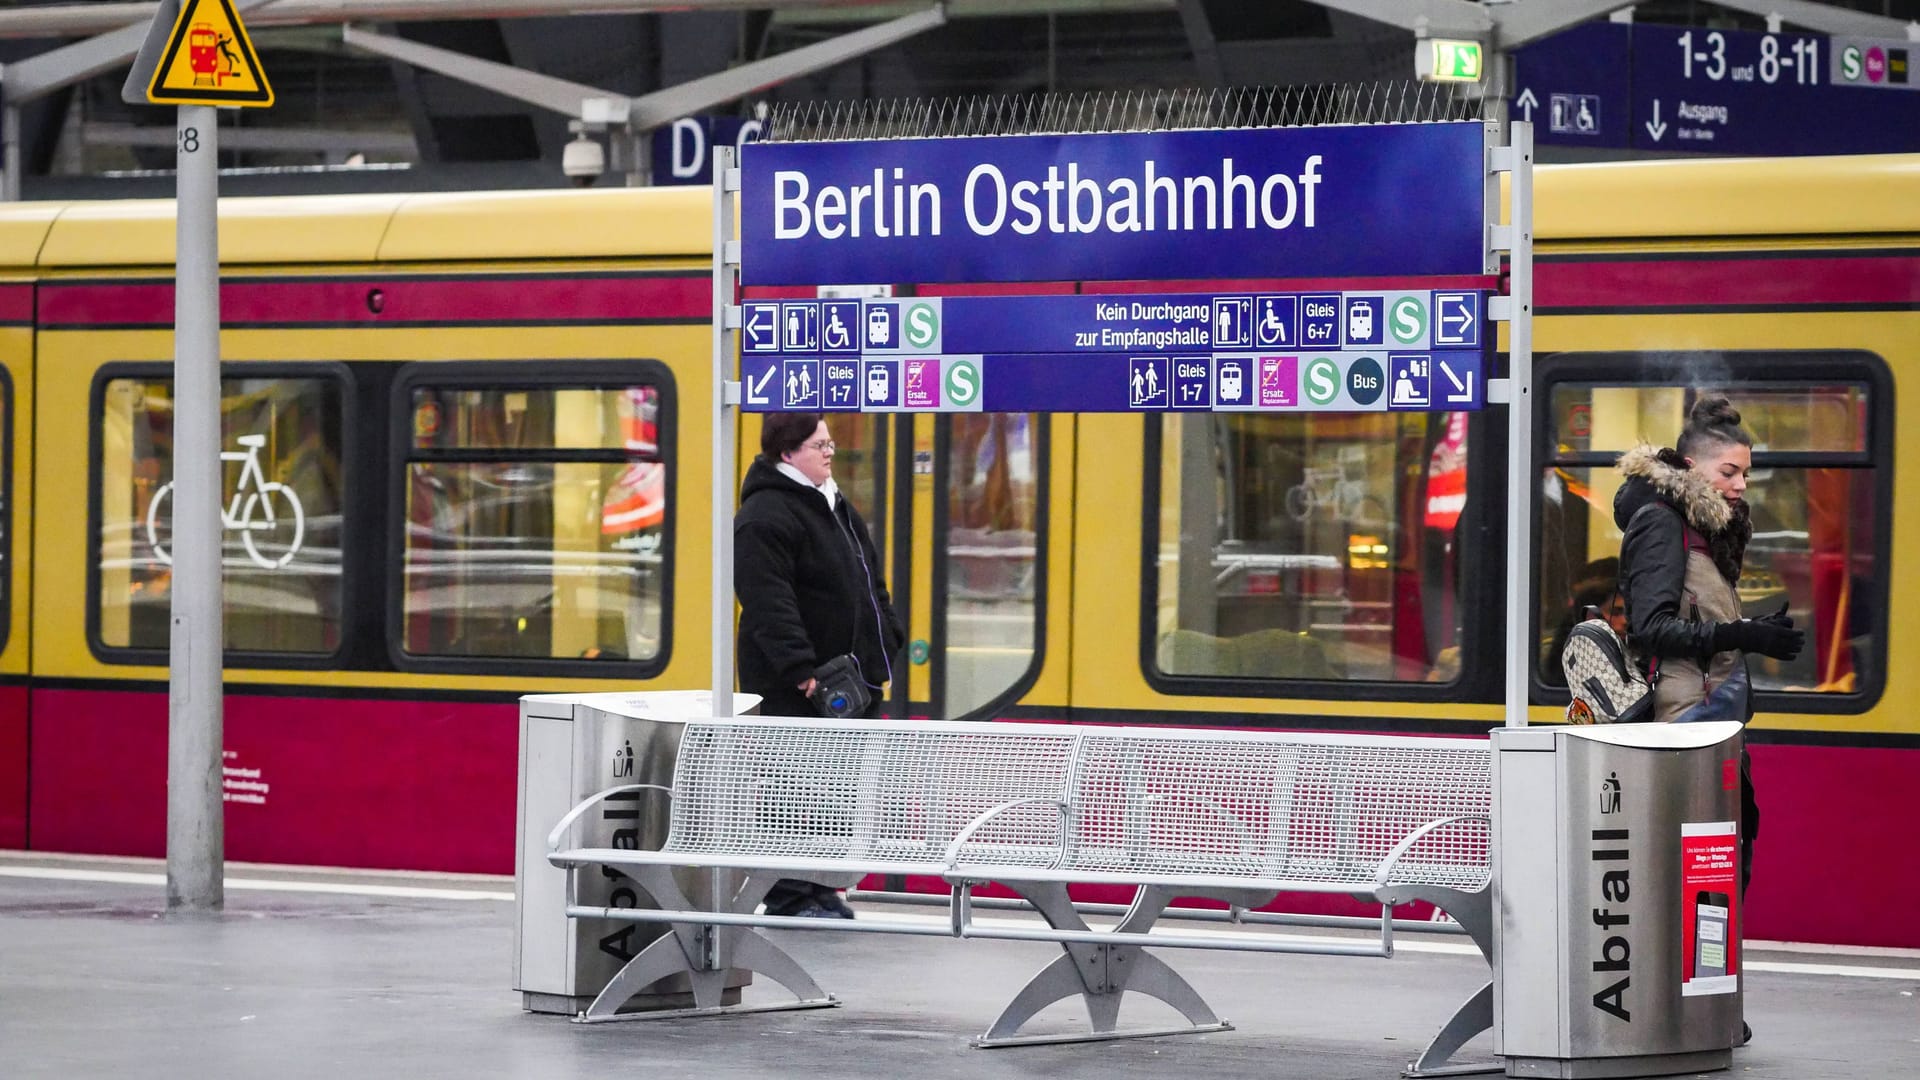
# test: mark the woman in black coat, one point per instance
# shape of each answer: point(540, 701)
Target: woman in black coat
point(810, 588)
point(1685, 526)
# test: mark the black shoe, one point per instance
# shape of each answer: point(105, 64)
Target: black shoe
point(1746, 1034)
point(792, 905)
point(833, 904)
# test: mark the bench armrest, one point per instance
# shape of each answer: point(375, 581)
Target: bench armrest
point(1400, 850)
point(978, 823)
point(559, 832)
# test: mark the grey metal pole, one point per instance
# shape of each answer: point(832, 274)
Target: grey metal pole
point(1523, 645)
point(196, 826)
point(10, 134)
point(726, 419)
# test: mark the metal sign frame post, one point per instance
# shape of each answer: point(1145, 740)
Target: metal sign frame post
point(1516, 308)
point(726, 421)
point(196, 821)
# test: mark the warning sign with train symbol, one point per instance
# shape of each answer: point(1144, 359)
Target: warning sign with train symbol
point(209, 60)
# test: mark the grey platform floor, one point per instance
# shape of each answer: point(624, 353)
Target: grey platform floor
point(94, 982)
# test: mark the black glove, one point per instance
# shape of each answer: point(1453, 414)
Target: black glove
point(1763, 636)
point(1779, 618)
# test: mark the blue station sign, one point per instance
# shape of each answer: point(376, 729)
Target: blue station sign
point(1357, 350)
point(1338, 201)
point(1702, 90)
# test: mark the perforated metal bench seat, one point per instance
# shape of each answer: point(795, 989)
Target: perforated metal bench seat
point(1225, 815)
point(1276, 811)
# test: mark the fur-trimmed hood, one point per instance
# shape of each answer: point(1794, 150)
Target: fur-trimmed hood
point(1662, 474)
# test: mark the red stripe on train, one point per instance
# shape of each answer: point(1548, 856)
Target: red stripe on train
point(429, 785)
point(376, 301)
point(13, 766)
point(16, 303)
point(1696, 283)
point(410, 785)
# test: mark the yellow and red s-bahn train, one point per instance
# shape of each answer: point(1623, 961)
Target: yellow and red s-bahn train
point(465, 459)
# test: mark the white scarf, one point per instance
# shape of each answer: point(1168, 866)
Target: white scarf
point(829, 489)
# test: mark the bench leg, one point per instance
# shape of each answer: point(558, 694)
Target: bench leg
point(1469, 1020)
point(704, 954)
point(1099, 974)
point(1474, 912)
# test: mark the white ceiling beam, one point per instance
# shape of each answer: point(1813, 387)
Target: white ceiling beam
point(1825, 18)
point(1425, 18)
point(587, 103)
point(1527, 21)
point(70, 20)
point(43, 73)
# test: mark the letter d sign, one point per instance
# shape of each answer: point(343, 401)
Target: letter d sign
point(689, 148)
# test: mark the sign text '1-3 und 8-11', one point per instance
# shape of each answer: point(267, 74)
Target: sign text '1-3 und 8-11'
point(1353, 350)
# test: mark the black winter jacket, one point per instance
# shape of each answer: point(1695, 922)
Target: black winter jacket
point(1653, 549)
point(810, 588)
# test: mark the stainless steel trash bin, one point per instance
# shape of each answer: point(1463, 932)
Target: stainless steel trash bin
point(1617, 883)
point(572, 745)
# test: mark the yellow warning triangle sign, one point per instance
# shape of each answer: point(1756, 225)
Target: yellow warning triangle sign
point(209, 60)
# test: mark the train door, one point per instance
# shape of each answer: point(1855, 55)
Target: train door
point(957, 506)
point(16, 478)
point(986, 547)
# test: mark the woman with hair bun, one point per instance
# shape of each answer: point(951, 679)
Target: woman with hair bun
point(1685, 524)
point(1686, 527)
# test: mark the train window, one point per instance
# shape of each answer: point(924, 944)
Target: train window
point(534, 522)
point(281, 440)
point(1812, 496)
point(1312, 546)
point(990, 557)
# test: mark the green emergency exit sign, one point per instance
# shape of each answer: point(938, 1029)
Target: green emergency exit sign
point(1446, 60)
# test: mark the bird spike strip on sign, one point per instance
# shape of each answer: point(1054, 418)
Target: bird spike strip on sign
point(209, 61)
point(1121, 111)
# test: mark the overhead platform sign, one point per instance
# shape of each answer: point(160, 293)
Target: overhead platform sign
point(1403, 202)
point(1711, 91)
point(208, 60)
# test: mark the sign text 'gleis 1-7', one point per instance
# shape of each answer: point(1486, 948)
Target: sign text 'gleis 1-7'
point(1346, 201)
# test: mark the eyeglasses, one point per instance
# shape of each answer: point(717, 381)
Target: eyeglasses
point(824, 446)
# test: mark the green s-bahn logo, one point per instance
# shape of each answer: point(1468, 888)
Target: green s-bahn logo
point(921, 326)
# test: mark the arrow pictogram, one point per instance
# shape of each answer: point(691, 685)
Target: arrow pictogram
point(757, 391)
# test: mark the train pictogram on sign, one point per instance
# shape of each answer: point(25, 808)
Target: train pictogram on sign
point(209, 60)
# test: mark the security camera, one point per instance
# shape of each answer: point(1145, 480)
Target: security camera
point(583, 159)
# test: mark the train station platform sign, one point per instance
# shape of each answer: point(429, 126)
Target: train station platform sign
point(1334, 201)
point(1696, 89)
point(1352, 351)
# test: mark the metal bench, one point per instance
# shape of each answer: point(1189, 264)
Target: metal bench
point(1235, 817)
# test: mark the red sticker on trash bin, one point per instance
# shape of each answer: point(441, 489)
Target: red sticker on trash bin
point(1730, 775)
point(1710, 907)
